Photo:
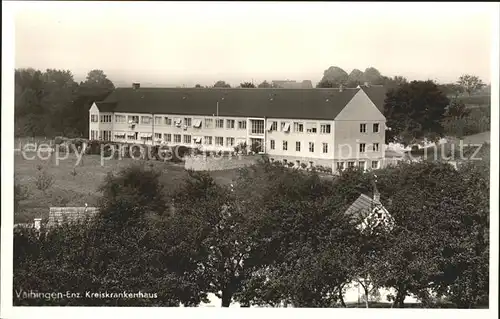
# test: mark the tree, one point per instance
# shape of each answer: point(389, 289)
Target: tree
point(355, 78)
point(432, 210)
point(51, 103)
point(470, 83)
point(247, 85)
point(130, 246)
point(264, 85)
point(456, 110)
point(309, 240)
point(334, 76)
point(414, 111)
point(225, 227)
point(97, 79)
point(372, 76)
point(451, 89)
point(221, 84)
point(325, 84)
point(197, 86)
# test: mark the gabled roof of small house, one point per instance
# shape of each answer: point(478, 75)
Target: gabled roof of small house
point(361, 207)
point(239, 102)
point(60, 215)
point(364, 208)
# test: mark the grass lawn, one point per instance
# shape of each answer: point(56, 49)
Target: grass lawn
point(71, 189)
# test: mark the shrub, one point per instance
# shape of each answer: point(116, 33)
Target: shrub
point(59, 140)
point(44, 181)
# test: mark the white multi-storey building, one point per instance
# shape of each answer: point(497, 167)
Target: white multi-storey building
point(329, 127)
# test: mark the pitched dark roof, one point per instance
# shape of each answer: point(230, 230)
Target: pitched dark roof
point(376, 93)
point(271, 103)
point(106, 106)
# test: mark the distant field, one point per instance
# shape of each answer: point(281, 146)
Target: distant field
point(76, 190)
point(476, 100)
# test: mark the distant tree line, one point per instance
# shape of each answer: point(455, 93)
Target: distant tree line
point(51, 103)
point(276, 236)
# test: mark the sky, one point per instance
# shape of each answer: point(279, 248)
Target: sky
point(175, 44)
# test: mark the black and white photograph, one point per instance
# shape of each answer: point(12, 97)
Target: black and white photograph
point(339, 155)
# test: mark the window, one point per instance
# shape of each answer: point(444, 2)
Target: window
point(94, 135)
point(187, 121)
point(208, 140)
point(132, 136)
point(362, 128)
point(375, 164)
point(197, 139)
point(325, 128)
point(168, 121)
point(273, 144)
point(106, 135)
point(209, 123)
point(145, 119)
point(361, 164)
point(272, 125)
point(187, 139)
point(133, 119)
point(230, 141)
point(375, 147)
point(177, 138)
point(297, 146)
point(311, 127)
point(157, 120)
point(340, 166)
point(362, 147)
point(167, 137)
point(177, 122)
point(105, 118)
point(120, 118)
point(298, 127)
point(219, 123)
point(219, 141)
point(230, 123)
point(285, 145)
point(120, 135)
point(350, 164)
point(197, 123)
point(94, 118)
point(311, 147)
point(146, 136)
point(285, 127)
point(325, 148)
point(375, 128)
point(257, 126)
point(242, 125)
point(157, 135)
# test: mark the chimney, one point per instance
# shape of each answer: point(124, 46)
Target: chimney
point(136, 85)
point(38, 223)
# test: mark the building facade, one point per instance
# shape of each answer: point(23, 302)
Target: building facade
point(336, 128)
